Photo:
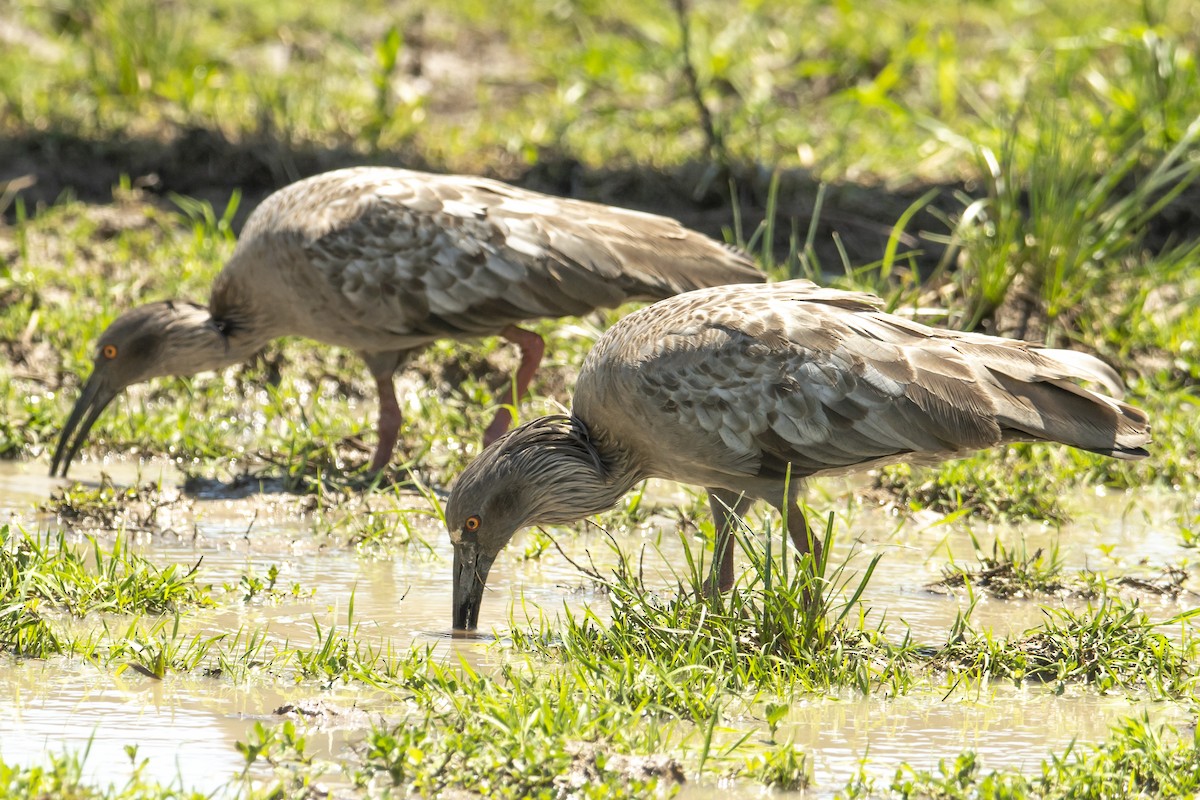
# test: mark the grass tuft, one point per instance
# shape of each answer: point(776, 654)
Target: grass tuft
point(1008, 572)
point(107, 507)
point(45, 569)
point(1111, 645)
point(1138, 760)
point(781, 629)
point(988, 486)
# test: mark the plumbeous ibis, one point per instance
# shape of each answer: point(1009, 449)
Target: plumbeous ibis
point(384, 261)
point(746, 390)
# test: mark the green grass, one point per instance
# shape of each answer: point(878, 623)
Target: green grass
point(63, 777)
point(1138, 760)
point(46, 570)
point(1112, 645)
point(1064, 222)
point(1025, 167)
point(1009, 571)
point(519, 736)
point(1003, 486)
point(681, 650)
point(685, 654)
point(674, 685)
point(1091, 133)
point(860, 89)
point(1029, 481)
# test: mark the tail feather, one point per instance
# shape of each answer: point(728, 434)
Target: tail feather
point(679, 260)
point(1087, 367)
point(1051, 406)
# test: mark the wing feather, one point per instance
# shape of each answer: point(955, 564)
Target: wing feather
point(747, 380)
point(410, 251)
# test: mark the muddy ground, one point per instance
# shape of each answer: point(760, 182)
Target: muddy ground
point(206, 165)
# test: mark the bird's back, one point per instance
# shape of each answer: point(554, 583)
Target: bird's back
point(394, 257)
point(728, 387)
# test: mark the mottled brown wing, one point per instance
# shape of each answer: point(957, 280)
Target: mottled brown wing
point(453, 255)
point(755, 378)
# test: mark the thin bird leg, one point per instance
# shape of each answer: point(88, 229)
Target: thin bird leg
point(727, 509)
point(802, 535)
point(532, 349)
point(383, 365)
point(806, 542)
point(389, 422)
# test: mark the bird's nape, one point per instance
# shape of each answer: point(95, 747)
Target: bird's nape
point(96, 396)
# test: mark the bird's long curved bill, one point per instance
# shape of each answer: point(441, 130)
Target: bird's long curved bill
point(470, 577)
point(91, 404)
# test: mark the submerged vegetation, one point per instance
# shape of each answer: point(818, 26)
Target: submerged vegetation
point(1024, 169)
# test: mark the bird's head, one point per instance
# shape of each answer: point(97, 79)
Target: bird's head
point(547, 471)
point(165, 338)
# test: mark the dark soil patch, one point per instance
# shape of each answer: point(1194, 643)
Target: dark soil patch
point(324, 716)
point(1169, 582)
point(204, 164)
point(592, 761)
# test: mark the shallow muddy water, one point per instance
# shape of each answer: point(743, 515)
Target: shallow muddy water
point(186, 725)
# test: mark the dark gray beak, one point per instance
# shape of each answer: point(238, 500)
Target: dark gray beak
point(470, 576)
point(97, 394)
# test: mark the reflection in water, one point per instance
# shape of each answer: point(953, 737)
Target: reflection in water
point(462, 635)
point(1007, 727)
point(187, 725)
point(60, 707)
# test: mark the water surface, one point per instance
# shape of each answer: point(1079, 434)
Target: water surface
point(186, 725)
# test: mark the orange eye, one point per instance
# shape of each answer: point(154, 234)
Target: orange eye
point(472, 523)
point(109, 351)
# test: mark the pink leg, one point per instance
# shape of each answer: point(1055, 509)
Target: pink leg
point(389, 423)
point(532, 349)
